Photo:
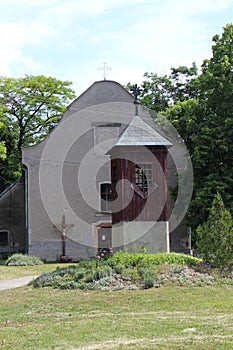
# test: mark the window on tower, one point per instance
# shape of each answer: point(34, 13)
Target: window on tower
point(106, 196)
point(143, 176)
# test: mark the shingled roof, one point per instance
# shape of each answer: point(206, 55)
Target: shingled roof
point(139, 133)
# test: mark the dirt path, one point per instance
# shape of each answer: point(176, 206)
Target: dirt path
point(16, 282)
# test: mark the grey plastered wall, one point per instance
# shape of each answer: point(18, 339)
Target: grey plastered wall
point(12, 218)
point(135, 235)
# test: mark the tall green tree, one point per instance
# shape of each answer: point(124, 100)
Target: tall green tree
point(213, 153)
point(206, 124)
point(201, 109)
point(34, 105)
point(160, 92)
point(31, 106)
point(215, 236)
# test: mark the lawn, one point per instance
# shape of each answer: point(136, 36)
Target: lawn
point(157, 318)
point(8, 272)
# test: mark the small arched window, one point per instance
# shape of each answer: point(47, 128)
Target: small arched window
point(4, 238)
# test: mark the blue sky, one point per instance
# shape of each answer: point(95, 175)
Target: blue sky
point(70, 39)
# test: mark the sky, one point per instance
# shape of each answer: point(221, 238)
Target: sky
point(71, 39)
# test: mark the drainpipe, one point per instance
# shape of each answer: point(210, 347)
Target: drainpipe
point(190, 241)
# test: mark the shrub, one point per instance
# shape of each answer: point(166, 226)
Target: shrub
point(66, 258)
point(75, 276)
point(78, 275)
point(118, 269)
point(146, 260)
point(216, 236)
point(88, 264)
point(101, 272)
point(23, 260)
point(126, 259)
point(149, 282)
point(140, 270)
point(104, 254)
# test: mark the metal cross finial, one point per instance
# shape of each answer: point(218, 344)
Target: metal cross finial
point(136, 92)
point(104, 68)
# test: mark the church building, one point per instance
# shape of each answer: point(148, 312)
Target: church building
point(99, 180)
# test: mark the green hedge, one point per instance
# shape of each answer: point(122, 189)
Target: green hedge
point(146, 259)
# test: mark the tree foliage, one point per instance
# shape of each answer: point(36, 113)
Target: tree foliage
point(34, 105)
point(201, 109)
point(30, 106)
point(2, 150)
point(212, 155)
point(160, 92)
point(2, 143)
point(215, 236)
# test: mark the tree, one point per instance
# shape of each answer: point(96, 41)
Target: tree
point(205, 122)
point(2, 150)
point(160, 92)
point(201, 109)
point(186, 117)
point(212, 155)
point(31, 106)
point(215, 236)
point(34, 105)
point(184, 82)
point(2, 143)
point(156, 92)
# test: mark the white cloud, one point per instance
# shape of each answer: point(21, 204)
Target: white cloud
point(11, 39)
point(37, 31)
point(14, 37)
point(30, 3)
point(29, 63)
point(71, 38)
point(200, 6)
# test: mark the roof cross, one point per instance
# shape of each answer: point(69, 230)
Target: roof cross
point(136, 92)
point(104, 68)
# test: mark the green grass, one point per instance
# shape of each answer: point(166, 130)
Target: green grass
point(9, 272)
point(165, 318)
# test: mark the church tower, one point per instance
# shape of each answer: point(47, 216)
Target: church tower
point(139, 171)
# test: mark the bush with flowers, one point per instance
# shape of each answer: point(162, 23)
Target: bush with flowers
point(66, 258)
point(104, 253)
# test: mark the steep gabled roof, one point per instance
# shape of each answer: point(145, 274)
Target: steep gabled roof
point(103, 91)
point(139, 133)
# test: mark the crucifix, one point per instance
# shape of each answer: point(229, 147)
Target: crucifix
point(63, 228)
point(105, 68)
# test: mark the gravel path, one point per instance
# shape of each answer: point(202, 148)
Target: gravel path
point(16, 282)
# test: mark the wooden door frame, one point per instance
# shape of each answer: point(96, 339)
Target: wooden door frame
point(97, 227)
